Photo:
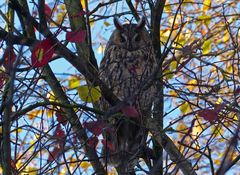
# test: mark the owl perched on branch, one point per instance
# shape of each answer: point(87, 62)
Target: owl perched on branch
point(128, 62)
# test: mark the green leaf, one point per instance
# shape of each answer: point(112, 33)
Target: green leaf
point(89, 94)
point(205, 18)
point(184, 108)
point(73, 82)
point(207, 46)
point(106, 23)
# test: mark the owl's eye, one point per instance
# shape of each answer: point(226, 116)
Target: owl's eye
point(137, 38)
point(122, 38)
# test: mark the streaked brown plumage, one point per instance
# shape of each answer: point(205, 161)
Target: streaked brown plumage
point(128, 61)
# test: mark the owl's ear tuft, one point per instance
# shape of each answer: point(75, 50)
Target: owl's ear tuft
point(117, 23)
point(141, 23)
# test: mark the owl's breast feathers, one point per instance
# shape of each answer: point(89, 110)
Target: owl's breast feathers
point(125, 72)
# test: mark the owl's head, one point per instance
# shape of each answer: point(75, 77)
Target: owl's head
point(130, 36)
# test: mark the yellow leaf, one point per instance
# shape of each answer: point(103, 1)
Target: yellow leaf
point(167, 8)
point(73, 82)
point(206, 5)
point(164, 35)
point(51, 96)
point(221, 140)
point(39, 54)
point(74, 163)
point(34, 113)
point(219, 101)
point(226, 36)
point(197, 155)
point(196, 130)
point(91, 21)
point(100, 49)
point(168, 74)
point(234, 155)
point(62, 6)
point(89, 94)
point(85, 165)
point(217, 162)
point(191, 84)
point(172, 93)
point(207, 46)
point(32, 142)
point(49, 112)
point(19, 164)
point(0, 130)
point(83, 4)
point(30, 171)
point(217, 130)
point(182, 127)
point(185, 108)
point(229, 69)
point(173, 65)
point(60, 17)
point(181, 41)
point(106, 23)
point(112, 171)
point(19, 130)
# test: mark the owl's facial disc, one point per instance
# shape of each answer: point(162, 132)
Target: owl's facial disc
point(123, 38)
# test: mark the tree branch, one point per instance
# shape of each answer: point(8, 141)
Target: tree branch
point(170, 148)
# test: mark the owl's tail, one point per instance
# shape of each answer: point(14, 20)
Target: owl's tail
point(124, 168)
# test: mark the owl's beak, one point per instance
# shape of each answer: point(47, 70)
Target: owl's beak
point(129, 46)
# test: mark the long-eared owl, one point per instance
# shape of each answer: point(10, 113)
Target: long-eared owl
point(128, 62)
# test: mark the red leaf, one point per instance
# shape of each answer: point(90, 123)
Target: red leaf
point(76, 37)
point(108, 144)
point(13, 164)
point(74, 139)
point(42, 53)
point(237, 90)
point(92, 142)
point(47, 11)
point(208, 114)
point(34, 13)
point(130, 111)
point(81, 13)
point(219, 107)
point(59, 132)
point(9, 58)
point(61, 118)
point(55, 152)
point(96, 127)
